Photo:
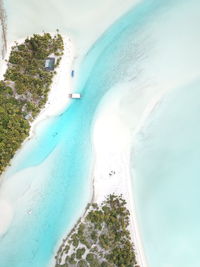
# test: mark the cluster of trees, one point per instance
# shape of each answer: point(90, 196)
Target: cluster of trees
point(24, 90)
point(101, 239)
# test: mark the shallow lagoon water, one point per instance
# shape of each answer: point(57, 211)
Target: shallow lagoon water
point(166, 168)
point(53, 171)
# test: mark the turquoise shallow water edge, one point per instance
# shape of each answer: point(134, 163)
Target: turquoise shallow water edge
point(61, 154)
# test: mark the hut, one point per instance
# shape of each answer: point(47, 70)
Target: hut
point(49, 63)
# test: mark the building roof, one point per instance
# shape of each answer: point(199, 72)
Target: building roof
point(49, 63)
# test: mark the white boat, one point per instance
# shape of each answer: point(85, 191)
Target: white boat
point(75, 95)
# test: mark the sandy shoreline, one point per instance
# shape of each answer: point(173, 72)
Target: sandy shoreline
point(62, 85)
point(119, 184)
point(112, 142)
point(112, 149)
point(62, 82)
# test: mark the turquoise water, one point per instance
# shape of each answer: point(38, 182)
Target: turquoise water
point(65, 144)
point(165, 158)
point(143, 48)
point(166, 163)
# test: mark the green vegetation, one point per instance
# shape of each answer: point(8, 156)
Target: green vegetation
point(100, 239)
point(24, 90)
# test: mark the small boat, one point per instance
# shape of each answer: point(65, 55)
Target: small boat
point(75, 96)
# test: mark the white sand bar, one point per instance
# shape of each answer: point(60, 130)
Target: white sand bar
point(113, 135)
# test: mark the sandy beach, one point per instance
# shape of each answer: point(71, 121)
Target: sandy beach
point(62, 85)
point(112, 140)
point(112, 146)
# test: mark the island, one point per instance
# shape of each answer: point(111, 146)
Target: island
point(100, 238)
point(24, 89)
